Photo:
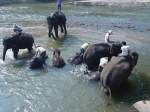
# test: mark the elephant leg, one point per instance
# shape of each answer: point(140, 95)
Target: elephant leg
point(65, 28)
point(62, 30)
point(56, 31)
point(15, 53)
point(109, 58)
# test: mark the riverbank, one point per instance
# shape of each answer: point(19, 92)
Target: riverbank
point(121, 3)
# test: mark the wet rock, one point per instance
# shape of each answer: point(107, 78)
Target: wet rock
point(141, 106)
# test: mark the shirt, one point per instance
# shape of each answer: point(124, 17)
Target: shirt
point(103, 61)
point(125, 50)
point(59, 2)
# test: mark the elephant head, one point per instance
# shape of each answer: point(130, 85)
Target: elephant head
point(77, 59)
point(115, 49)
point(58, 61)
point(117, 70)
point(134, 58)
point(38, 62)
point(50, 21)
point(8, 43)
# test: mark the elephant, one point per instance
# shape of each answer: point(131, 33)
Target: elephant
point(116, 72)
point(56, 19)
point(38, 62)
point(39, 59)
point(140, 106)
point(16, 42)
point(94, 52)
point(57, 60)
point(76, 60)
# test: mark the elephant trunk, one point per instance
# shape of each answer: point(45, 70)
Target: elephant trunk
point(50, 31)
point(4, 52)
point(135, 58)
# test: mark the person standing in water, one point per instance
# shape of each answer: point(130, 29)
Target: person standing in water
point(59, 5)
point(107, 36)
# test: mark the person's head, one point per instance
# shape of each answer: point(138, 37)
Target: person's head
point(17, 29)
point(109, 32)
point(124, 43)
point(56, 52)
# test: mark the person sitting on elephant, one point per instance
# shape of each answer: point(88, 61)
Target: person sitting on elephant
point(125, 49)
point(84, 47)
point(58, 60)
point(107, 36)
point(59, 5)
point(17, 29)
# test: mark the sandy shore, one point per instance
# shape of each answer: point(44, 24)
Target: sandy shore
point(126, 3)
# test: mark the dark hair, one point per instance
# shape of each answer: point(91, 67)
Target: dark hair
point(56, 51)
point(124, 43)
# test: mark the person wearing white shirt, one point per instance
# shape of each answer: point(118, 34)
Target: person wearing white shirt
point(40, 51)
point(107, 36)
point(125, 49)
point(102, 63)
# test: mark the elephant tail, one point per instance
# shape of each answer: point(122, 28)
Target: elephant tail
point(109, 94)
point(108, 91)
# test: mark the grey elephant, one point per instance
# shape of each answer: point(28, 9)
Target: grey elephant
point(17, 42)
point(117, 70)
point(141, 106)
point(76, 60)
point(94, 52)
point(56, 19)
point(57, 60)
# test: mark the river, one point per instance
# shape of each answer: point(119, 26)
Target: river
point(63, 90)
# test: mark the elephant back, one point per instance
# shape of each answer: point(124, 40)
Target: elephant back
point(116, 72)
point(24, 39)
point(59, 18)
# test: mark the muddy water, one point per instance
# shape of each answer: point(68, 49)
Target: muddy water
point(61, 90)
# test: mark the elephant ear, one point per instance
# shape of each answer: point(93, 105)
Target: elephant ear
point(134, 56)
point(115, 49)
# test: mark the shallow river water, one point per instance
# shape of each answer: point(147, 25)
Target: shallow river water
point(63, 90)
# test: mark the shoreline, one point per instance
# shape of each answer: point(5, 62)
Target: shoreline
point(121, 3)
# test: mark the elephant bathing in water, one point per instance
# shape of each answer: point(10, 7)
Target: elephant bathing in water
point(56, 19)
point(116, 72)
point(17, 42)
point(76, 60)
point(94, 52)
point(39, 59)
